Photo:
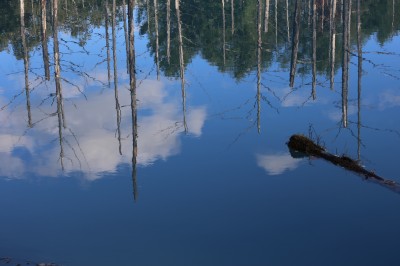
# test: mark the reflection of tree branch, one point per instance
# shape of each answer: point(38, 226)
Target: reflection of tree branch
point(378, 129)
point(76, 86)
point(12, 100)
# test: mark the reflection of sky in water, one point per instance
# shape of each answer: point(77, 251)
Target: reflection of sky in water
point(90, 142)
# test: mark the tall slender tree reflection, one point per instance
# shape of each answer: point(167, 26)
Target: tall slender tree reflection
point(276, 24)
point(332, 45)
point(26, 62)
point(132, 87)
point(223, 31)
point(322, 14)
point(259, 46)
point(125, 35)
point(287, 20)
point(232, 16)
point(157, 39)
point(295, 41)
point(168, 31)
point(345, 59)
point(114, 50)
point(107, 15)
point(44, 39)
point(359, 81)
point(266, 16)
point(57, 78)
point(182, 63)
point(314, 48)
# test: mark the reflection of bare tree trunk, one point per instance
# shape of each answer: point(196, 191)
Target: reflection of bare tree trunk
point(233, 16)
point(332, 42)
point(26, 62)
point(132, 86)
point(314, 48)
point(168, 30)
point(157, 41)
point(45, 48)
point(57, 77)
point(126, 35)
point(295, 41)
point(276, 23)
point(393, 15)
point(345, 61)
point(322, 14)
point(287, 20)
point(148, 16)
point(259, 45)
point(182, 64)
point(223, 31)
point(266, 16)
point(107, 43)
point(359, 53)
point(309, 13)
point(114, 50)
point(341, 11)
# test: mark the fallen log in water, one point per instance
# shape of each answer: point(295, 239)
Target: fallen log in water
point(304, 145)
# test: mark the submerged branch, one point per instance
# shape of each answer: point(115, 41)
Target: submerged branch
point(299, 144)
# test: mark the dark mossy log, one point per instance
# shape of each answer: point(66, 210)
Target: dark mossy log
point(301, 145)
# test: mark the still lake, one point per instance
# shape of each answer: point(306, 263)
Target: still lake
point(155, 132)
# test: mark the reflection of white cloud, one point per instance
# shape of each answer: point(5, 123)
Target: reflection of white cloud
point(292, 98)
point(276, 164)
point(90, 144)
point(389, 99)
point(8, 142)
point(337, 114)
point(11, 167)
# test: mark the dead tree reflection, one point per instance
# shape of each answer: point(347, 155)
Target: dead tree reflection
point(157, 38)
point(57, 78)
point(223, 30)
point(332, 43)
point(259, 46)
point(132, 87)
point(359, 80)
point(266, 16)
point(44, 39)
point(314, 48)
point(182, 63)
point(295, 41)
point(233, 16)
point(114, 50)
point(107, 14)
point(125, 34)
point(345, 59)
point(276, 24)
point(26, 62)
point(287, 21)
point(168, 31)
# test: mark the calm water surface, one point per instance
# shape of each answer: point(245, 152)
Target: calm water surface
point(172, 151)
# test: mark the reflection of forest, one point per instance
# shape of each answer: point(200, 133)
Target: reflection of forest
point(229, 43)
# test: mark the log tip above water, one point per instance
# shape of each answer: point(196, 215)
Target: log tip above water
point(301, 143)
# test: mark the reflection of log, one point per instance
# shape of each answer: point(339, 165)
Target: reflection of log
point(304, 145)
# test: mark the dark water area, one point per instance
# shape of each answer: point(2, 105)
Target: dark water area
point(155, 132)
